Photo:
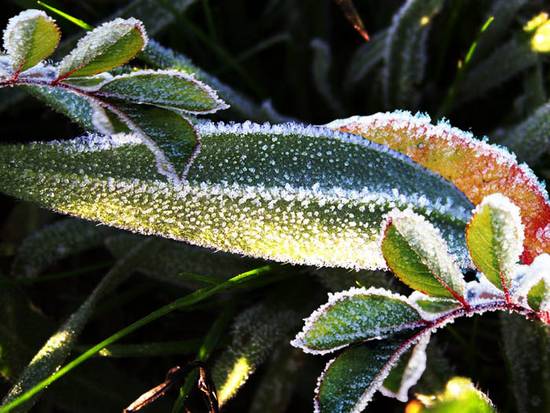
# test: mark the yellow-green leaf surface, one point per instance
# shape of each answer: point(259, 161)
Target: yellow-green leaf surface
point(418, 255)
point(29, 38)
point(104, 48)
point(356, 315)
point(495, 239)
point(285, 192)
point(460, 395)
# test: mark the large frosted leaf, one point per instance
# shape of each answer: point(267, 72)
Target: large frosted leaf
point(29, 38)
point(350, 380)
point(416, 253)
point(289, 193)
point(356, 315)
point(495, 239)
point(104, 48)
point(475, 167)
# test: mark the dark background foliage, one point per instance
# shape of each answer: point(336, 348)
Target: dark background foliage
point(261, 48)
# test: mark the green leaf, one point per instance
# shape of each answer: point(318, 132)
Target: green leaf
point(356, 315)
point(160, 57)
point(405, 52)
point(255, 333)
point(460, 395)
point(406, 372)
point(495, 239)
point(530, 139)
point(77, 108)
point(169, 136)
point(538, 295)
point(351, 379)
point(166, 88)
point(321, 68)
point(287, 192)
point(433, 305)
point(29, 38)
point(104, 48)
point(55, 242)
point(415, 251)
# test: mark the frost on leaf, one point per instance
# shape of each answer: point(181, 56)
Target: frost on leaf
point(477, 168)
point(164, 88)
point(356, 315)
point(495, 239)
point(417, 254)
point(254, 335)
point(407, 372)
point(283, 192)
point(433, 306)
point(349, 381)
point(110, 45)
point(29, 38)
point(169, 136)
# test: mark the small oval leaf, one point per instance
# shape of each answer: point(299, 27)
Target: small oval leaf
point(29, 38)
point(110, 45)
point(166, 88)
point(495, 239)
point(415, 251)
point(356, 315)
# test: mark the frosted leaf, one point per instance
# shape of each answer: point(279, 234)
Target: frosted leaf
point(164, 88)
point(405, 53)
point(320, 67)
point(367, 56)
point(108, 46)
point(29, 38)
point(356, 315)
point(349, 381)
point(432, 307)
point(526, 276)
point(169, 136)
point(415, 251)
point(407, 372)
point(312, 196)
point(477, 168)
point(495, 237)
point(55, 242)
point(254, 335)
